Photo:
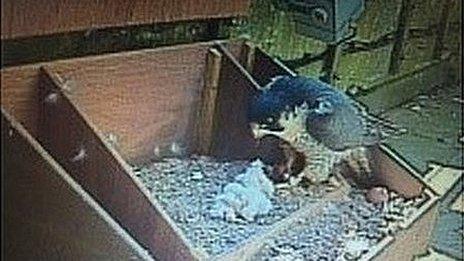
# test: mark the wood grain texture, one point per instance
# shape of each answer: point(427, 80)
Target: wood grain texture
point(25, 18)
point(204, 127)
point(19, 95)
point(78, 146)
point(233, 138)
point(46, 214)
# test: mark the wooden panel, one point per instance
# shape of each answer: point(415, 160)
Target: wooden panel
point(458, 204)
point(19, 95)
point(46, 214)
point(442, 179)
point(233, 138)
point(395, 174)
point(78, 147)
point(413, 241)
point(39, 17)
point(265, 68)
point(147, 98)
point(205, 116)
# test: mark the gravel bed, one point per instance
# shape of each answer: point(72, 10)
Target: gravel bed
point(345, 231)
point(187, 189)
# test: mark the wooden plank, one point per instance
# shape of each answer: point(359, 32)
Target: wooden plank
point(395, 174)
point(27, 18)
point(233, 138)
point(208, 102)
point(248, 56)
point(442, 179)
point(19, 95)
point(383, 95)
point(78, 146)
point(458, 204)
point(397, 53)
point(46, 215)
point(266, 67)
point(330, 62)
point(152, 94)
point(442, 28)
point(413, 241)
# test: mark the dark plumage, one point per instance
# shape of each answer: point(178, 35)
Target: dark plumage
point(332, 117)
point(284, 160)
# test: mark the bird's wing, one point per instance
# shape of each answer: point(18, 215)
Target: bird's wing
point(385, 126)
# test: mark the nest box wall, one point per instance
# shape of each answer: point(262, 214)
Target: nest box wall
point(27, 18)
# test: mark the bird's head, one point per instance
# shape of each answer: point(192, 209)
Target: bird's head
point(288, 125)
point(264, 112)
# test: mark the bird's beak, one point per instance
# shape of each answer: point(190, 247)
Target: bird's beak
point(258, 130)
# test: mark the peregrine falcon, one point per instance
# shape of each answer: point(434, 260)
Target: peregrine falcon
point(314, 116)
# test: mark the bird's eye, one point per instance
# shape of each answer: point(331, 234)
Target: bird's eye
point(324, 107)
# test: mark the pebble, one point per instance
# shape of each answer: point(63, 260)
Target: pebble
point(364, 224)
point(197, 175)
point(356, 247)
point(377, 195)
point(187, 190)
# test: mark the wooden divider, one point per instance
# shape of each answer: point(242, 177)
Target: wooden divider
point(205, 115)
point(78, 146)
point(146, 98)
point(19, 95)
point(46, 214)
point(233, 138)
point(264, 68)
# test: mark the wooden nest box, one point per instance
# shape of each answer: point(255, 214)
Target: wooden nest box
point(72, 128)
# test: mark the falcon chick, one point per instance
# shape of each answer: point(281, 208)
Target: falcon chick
point(285, 161)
